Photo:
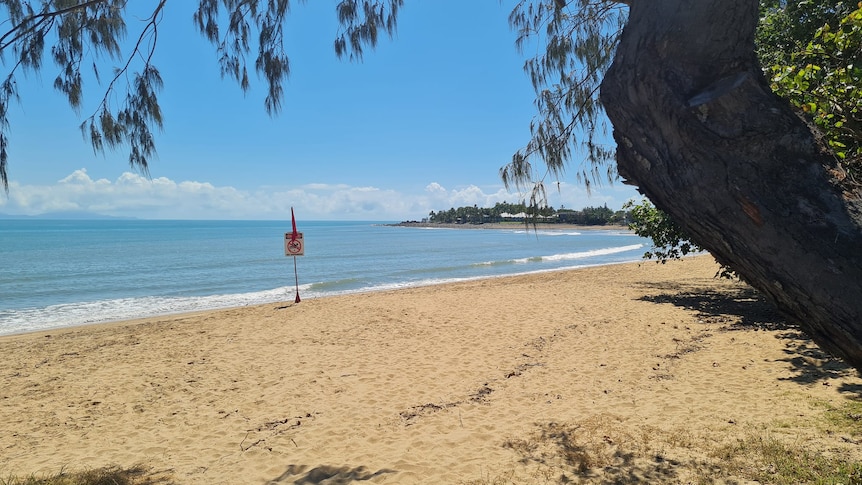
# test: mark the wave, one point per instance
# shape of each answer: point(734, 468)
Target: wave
point(564, 256)
point(85, 313)
point(325, 286)
point(595, 252)
point(546, 232)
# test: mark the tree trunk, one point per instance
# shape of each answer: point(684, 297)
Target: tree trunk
point(701, 134)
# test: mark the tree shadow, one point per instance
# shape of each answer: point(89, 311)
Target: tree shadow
point(575, 452)
point(813, 365)
point(743, 308)
point(331, 475)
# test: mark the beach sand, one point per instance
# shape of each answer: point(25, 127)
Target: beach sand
point(608, 375)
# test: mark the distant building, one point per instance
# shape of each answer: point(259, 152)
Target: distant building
point(521, 216)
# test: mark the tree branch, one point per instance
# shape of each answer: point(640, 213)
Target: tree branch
point(151, 24)
point(42, 17)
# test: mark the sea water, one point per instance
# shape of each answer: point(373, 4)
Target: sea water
point(71, 272)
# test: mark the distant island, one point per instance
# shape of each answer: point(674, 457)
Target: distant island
point(503, 213)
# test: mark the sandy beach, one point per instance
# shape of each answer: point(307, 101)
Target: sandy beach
point(614, 374)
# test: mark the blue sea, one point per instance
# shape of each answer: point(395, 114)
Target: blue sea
point(72, 272)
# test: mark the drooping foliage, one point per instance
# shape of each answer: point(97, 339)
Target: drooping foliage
point(82, 29)
point(576, 42)
point(233, 41)
point(232, 25)
point(86, 31)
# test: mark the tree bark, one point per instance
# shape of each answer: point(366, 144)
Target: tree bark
point(702, 135)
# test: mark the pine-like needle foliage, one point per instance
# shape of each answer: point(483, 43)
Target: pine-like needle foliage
point(85, 29)
point(575, 43)
point(93, 30)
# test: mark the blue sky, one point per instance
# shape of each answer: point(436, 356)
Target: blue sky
point(423, 123)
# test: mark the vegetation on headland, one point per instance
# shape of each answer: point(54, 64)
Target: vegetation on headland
point(520, 212)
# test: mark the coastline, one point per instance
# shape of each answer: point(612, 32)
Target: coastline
point(455, 383)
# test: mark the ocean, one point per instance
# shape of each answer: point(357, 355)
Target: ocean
point(60, 273)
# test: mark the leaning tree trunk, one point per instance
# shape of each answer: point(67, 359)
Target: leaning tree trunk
point(701, 134)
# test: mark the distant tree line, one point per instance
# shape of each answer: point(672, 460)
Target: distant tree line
point(506, 212)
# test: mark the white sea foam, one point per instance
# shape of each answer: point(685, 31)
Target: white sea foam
point(566, 256)
point(595, 252)
point(84, 313)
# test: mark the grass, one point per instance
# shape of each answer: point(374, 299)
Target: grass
point(768, 460)
point(111, 475)
point(846, 418)
point(602, 450)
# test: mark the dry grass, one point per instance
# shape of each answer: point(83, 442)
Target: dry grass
point(112, 475)
point(770, 460)
point(602, 450)
point(846, 418)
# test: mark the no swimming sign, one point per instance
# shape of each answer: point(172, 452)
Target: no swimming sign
point(293, 244)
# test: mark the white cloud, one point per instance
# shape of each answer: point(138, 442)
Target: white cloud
point(435, 188)
point(133, 195)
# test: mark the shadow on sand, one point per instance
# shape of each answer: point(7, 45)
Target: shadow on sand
point(573, 452)
point(331, 475)
point(742, 308)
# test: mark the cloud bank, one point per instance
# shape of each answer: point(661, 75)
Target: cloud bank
point(133, 195)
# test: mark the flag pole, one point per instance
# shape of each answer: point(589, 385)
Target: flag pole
point(293, 237)
point(296, 275)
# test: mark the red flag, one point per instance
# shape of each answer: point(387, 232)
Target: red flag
point(293, 222)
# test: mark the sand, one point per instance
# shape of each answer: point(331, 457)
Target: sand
point(608, 374)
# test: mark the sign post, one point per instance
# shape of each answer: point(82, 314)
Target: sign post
point(294, 246)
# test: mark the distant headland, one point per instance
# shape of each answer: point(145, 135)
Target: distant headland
point(504, 215)
point(511, 225)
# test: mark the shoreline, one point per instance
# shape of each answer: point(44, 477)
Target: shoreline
point(358, 291)
point(248, 267)
point(489, 379)
point(347, 293)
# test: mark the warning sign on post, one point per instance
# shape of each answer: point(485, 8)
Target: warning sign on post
point(293, 244)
